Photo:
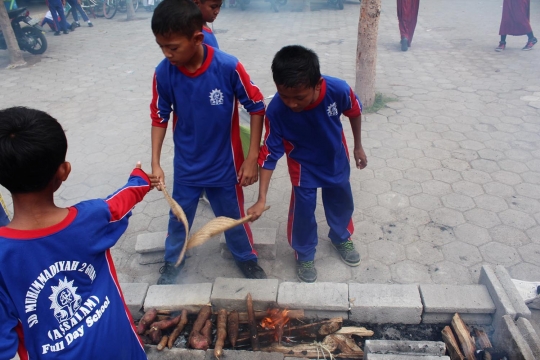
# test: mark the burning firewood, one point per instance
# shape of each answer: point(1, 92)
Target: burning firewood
point(232, 327)
point(146, 320)
point(197, 340)
point(482, 339)
point(259, 315)
point(221, 333)
point(178, 329)
point(332, 344)
point(451, 344)
point(464, 336)
point(252, 323)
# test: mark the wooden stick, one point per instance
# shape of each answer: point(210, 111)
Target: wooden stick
point(355, 330)
point(451, 344)
point(252, 324)
point(464, 337)
point(482, 339)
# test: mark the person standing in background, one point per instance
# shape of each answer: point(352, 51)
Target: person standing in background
point(56, 7)
point(407, 12)
point(76, 6)
point(515, 21)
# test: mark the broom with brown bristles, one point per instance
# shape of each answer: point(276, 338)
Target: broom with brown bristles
point(212, 228)
point(180, 215)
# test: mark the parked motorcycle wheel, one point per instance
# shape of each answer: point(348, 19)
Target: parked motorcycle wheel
point(32, 40)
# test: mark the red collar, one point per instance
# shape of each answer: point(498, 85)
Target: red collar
point(39, 233)
point(206, 63)
point(207, 28)
point(322, 94)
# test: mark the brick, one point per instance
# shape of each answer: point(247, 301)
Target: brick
point(513, 294)
point(382, 303)
point(507, 337)
point(173, 354)
point(231, 294)
point(155, 257)
point(245, 355)
point(402, 357)
point(435, 348)
point(324, 314)
point(464, 299)
point(446, 318)
point(150, 242)
point(315, 296)
point(264, 241)
point(175, 297)
point(529, 334)
point(134, 295)
point(498, 295)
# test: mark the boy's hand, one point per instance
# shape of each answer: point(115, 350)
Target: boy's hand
point(256, 210)
point(248, 173)
point(360, 157)
point(158, 176)
point(153, 179)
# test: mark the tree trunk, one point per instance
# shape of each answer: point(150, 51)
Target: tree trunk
point(366, 52)
point(130, 10)
point(15, 54)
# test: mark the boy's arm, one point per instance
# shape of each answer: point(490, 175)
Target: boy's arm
point(257, 209)
point(8, 325)
point(158, 135)
point(354, 113)
point(160, 110)
point(246, 176)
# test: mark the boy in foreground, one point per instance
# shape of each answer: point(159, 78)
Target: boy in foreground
point(59, 294)
point(200, 86)
point(209, 10)
point(303, 121)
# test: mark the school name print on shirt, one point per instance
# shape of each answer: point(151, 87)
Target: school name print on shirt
point(332, 110)
point(216, 97)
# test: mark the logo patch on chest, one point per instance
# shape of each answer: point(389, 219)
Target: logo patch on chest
point(216, 97)
point(332, 110)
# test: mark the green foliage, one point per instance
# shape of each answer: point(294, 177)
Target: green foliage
point(379, 103)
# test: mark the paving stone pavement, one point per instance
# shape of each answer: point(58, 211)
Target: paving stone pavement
point(453, 180)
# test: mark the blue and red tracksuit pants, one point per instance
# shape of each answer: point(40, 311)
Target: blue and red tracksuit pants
point(225, 201)
point(302, 226)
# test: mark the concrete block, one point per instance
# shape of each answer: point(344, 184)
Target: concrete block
point(446, 318)
point(498, 295)
point(315, 296)
point(134, 295)
point(507, 337)
point(231, 294)
point(383, 303)
point(529, 334)
point(435, 348)
point(173, 354)
point(513, 294)
point(150, 242)
point(323, 314)
point(245, 355)
point(176, 297)
point(155, 257)
point(264, 241)
point(402, 357)
point(462, 299)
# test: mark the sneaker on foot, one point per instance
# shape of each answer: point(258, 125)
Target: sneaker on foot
point(530, 44)
point(501, 47)
point(306, 272)
point(348, 253)
point(66, 32)
point(251, 269)
point(404, 44)
point(57, 33)
point(77, 24)
point(90, 24)
point(169, 273)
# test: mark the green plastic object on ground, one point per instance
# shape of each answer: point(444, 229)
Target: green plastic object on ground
point(244, 137)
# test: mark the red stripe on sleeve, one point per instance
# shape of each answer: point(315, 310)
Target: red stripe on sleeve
point(355, 110)
point(264, 152)
point(21, 349)
point(154, 106)
point(124, 200)
point(252, 91)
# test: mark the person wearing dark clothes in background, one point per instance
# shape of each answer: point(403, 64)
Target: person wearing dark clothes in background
point(407, 12)
point(76, 6)
point(515, 21)
point(56, 7)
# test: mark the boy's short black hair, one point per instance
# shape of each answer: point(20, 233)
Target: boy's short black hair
point(32, 147)
point(295, 66)
point(178, 17)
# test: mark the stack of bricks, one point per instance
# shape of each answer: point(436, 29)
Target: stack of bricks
point(404, 350)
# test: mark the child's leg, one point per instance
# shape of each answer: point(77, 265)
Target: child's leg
point(74, 9)
point(63, 21)
point(338, 209)
point(188, 198)
point(302, 226)
point(54, 14)
point(229, 201)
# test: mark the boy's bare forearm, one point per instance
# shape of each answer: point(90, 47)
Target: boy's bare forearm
point(356, 126)
point(256, 127)
point(264, 182)
point(158, 135)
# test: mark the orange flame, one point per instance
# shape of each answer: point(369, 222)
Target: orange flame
point(275, 320)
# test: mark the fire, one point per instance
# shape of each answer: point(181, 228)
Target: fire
point(275, 320)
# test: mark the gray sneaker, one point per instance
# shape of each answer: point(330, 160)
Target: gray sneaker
point(306, 272)
point(348, 253)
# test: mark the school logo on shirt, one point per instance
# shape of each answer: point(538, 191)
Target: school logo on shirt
point(216, 97)
point(332, 110)
point(64, 300)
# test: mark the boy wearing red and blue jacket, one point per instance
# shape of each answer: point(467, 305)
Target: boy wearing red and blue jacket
point(200, 86)
point(59, 293)
point(303, 121)
point(209, 10)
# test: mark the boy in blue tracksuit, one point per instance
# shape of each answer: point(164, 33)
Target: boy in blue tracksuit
point(59, 293)
point(201, 86)
point(56, 7)
point(210, 10)
point(303, 121)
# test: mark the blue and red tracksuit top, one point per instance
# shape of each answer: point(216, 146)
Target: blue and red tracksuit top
point(59, 293)
point(313, 139)
point(206, 125)
point(209, 37)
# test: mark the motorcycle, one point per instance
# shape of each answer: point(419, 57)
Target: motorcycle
point(30, 38)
